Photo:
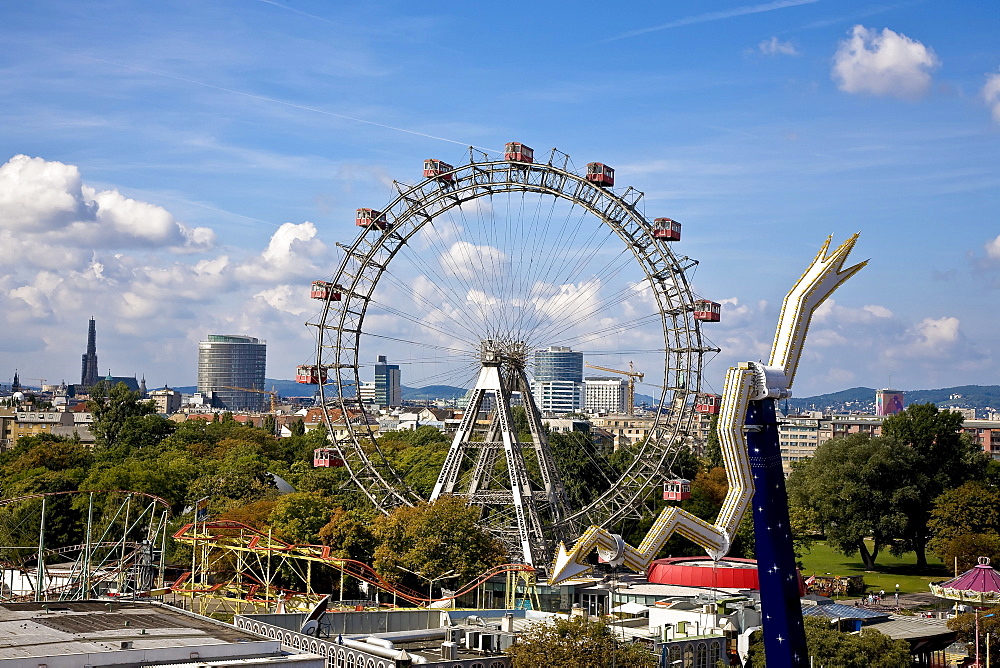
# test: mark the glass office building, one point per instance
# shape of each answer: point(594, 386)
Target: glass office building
point(558, 381)
point(226, 362)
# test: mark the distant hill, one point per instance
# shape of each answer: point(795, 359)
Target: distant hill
point(284, 388)
point(855, 399)
point(433, 392)
point(862, 399)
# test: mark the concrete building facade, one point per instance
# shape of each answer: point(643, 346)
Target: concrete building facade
point(167, 401)
point(605, 395)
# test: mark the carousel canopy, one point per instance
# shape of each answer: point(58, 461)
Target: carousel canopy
point(980, 584)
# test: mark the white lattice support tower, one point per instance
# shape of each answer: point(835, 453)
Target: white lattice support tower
point(527, 523)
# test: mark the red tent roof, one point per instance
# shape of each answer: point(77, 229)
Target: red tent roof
point(982, 578)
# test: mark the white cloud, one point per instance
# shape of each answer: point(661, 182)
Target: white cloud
point(774, 46)
point(37, 196)
point(831, 312)
point(993, 248)
point(885, 63)
point(991, 93)
point(465, 260)
point(289, 255)
point(570, 300)
point(286, 298)
point(47, 205)
point(937, 332)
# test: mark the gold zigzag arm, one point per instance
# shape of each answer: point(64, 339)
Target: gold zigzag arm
point(750, 380)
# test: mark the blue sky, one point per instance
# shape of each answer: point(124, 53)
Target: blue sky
point(183, 168)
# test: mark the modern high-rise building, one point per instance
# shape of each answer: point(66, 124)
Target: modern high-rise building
point(558, 381)
point(605, 395)
point(226, 362)
point(388, 389)
point(88, 370)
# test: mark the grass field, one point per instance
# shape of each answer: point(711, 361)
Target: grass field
point(889, 570)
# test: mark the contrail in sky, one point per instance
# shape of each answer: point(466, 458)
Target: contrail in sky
point(298, 11)
point(716, 16)
point(264, 98)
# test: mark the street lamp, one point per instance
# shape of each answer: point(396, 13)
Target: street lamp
point(430, 581)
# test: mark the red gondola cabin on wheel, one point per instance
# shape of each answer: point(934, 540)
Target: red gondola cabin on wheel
point(437, 169)
point(324, 290)
point(707, 311)
point(327, 457)
point(601, 174)
point(667, 228)
point(310, 374)
point(709, 404)
point(677, 489)
point(371, 218)
point(518, 152)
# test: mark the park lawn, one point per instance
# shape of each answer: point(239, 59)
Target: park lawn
point(889, 570)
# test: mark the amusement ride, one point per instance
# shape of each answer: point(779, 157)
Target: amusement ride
point(470, 271)
point(466, 275)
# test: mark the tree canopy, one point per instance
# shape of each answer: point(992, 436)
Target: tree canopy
point(433, 539)
point(577, 642)
point(945, 459)
point(885, 487)
point(858, 487)
point(830, 647)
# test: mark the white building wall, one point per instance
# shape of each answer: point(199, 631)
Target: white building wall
point(605, 395)
point(558, 397)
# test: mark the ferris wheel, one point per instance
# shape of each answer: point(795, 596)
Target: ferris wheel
point(467, 279)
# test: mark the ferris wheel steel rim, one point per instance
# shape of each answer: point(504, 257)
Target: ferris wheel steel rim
point(369, 257)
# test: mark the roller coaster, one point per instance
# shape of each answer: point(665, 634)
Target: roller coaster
point(119, 553)
point(237, 566)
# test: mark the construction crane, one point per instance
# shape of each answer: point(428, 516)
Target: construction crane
point(632, 375)
point(274, 395)
point(41, 382)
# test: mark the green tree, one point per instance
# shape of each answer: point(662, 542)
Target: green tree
point(167, 476)
point(349, 534)
point(972, 508)
point(46, 451)
point(240, 478)
point(581, 467)
point(298, 517)
point(964, 550)
point(577, 642)
point(945, 459)
point(989, 629)
point(713, 446)
point(269, 424)
point(857, 487)
point(418, 455)
point(435, 538)
point(830, 647)
point(112, 411)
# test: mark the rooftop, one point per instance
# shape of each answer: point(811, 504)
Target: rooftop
point(135, 631)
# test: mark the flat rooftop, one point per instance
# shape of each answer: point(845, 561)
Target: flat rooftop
point(150, 631)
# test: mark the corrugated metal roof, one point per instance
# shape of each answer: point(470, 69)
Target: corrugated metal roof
point(838, 611)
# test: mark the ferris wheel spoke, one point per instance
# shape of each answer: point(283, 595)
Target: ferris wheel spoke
point(454, 279)
point(422, 322)
point(528, 255)
point(572, 313)
point(421, 344)
point(445, 289)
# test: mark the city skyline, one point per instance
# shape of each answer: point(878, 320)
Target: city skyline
point(190, 169)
